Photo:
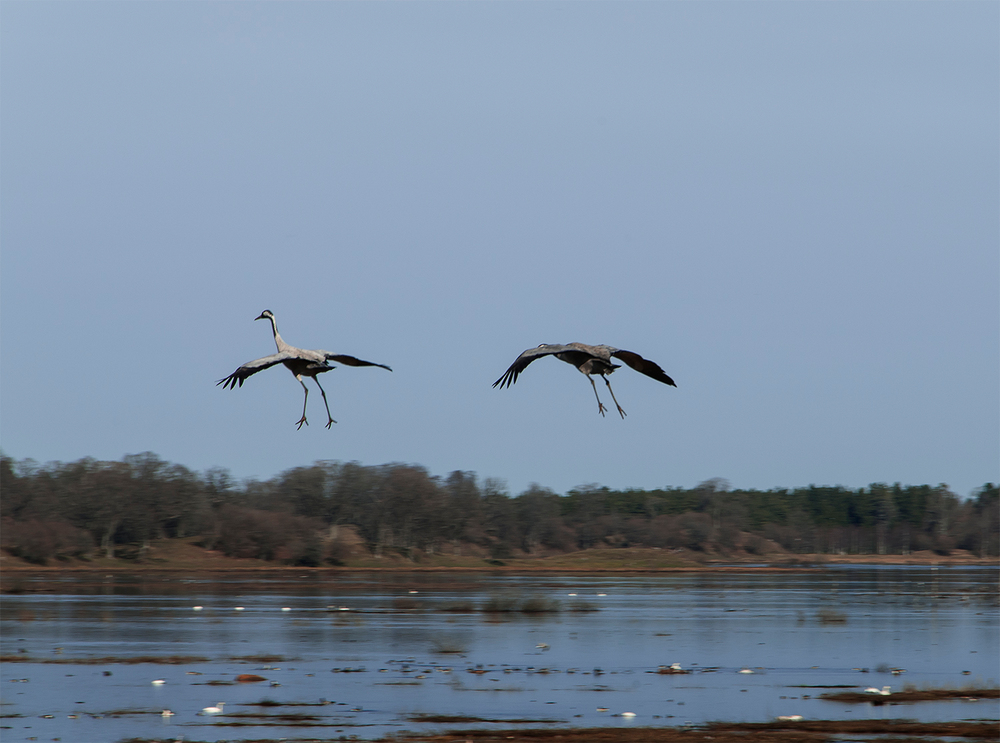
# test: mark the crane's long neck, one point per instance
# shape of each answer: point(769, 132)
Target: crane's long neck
point(278, 340)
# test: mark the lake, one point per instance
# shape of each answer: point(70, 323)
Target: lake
point(364, 654)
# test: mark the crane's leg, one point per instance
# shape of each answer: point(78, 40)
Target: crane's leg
point(331, 421)
point(303, 420)
point(613, 397)
point(600, 405)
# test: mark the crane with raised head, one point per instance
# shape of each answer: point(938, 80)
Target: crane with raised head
point(301, 362)
point(588, 360)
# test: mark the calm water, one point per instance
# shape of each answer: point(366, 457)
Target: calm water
point(363, 654)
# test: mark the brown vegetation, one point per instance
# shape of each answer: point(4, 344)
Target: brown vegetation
point(171, 660)
point(454, 719)
point(910, 695)
point(816, 731)
point(249, 678)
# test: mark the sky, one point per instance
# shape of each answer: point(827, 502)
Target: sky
point(791, 207)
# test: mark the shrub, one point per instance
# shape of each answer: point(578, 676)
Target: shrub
point(697, 530)
point(266, 535)
point(41, 541)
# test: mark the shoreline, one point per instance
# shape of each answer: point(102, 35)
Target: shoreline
point(635, 561)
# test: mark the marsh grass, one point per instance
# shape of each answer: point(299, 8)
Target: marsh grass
point(450, 645)
point(260, 658)
point(406, 603)
point(911, 693)
point(975, 686)
point(460, 607)
point(173, 660)
point(507, 604)
point(831, 616)
point(540, 605)
point(500, 605)
point(283, 717)
point(273, 703)
point(805, 731)
point(452, 719)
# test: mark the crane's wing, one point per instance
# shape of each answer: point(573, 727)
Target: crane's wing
point(522, 361)
point(350, 360)
point(647, 367)
point(252, 367)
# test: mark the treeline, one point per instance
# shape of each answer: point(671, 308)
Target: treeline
point(89, 507)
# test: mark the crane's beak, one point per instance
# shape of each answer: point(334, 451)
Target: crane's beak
point(260, 317)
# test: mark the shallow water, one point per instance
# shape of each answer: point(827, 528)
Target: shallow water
point(364, 652)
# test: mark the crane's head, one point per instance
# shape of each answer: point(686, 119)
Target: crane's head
point(265, 315)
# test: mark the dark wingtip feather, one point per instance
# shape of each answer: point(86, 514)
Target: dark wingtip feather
point(650, 368)
point(508, 378)
point(229, 382)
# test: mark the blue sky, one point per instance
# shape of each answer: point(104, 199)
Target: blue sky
point(791, 207)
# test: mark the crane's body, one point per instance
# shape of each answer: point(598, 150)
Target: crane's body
point(588, 360)
point(301, 362)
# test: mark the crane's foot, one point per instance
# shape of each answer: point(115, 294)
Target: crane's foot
point(302, 422)
point(621, 411)
point(601, 408)
point(330, 422)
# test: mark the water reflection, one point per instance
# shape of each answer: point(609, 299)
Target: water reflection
point(367, 652)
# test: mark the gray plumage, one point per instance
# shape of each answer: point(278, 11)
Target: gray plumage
point(301, 362)
point(588, 360)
